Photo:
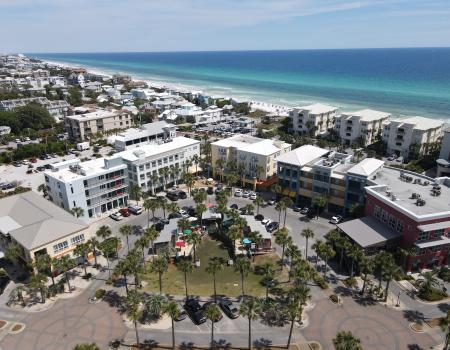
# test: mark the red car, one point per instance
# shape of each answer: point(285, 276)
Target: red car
point(33, 160)
point(124, 212)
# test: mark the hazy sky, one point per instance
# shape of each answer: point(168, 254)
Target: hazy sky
point(192, 25)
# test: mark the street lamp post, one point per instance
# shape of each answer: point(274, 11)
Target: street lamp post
point(398, 299)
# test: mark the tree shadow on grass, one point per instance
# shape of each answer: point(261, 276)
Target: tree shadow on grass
point(343, 291)
point(149, 344)
point(113, 299)
point(222, 344)
point(187, 346)
point(415, 347)
point(444, 307)
point(262, 343)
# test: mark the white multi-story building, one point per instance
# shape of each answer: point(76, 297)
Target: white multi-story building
point(363, 125)
point(5, 130)
point(414, 132)
point(156, 132)
point(254, 158)
point(57, 108)
point(443, 163)
point(83, 126)
point(101, 185)
point(96, 186)
point(316, 119)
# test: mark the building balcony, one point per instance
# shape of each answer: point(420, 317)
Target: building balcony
point(106, 200)
point(106, 190)
point(96, 183)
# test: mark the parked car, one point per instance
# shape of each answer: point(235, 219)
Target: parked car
point(138, 230)
point(33, 160)
point(304, 210)
point(205, 305)
point(238, 193)
point(336, 219)
point(164, 221)
point(392, 157)
point(266, 222)
point(135, 209)
point(173, 196)
point(159, 226)
point(273, 226)
point(182, 195)
point(17, 164)
point(210, 190)
point(229, 308)
point(296, 209)
point(234, 206)
point(271, 202)
point(253, 196)
point(116, 216)
point(194, 311)
point(259, 217)
point(399, 159)
point(184, 213)
point(246, 194)
point(175, 216)
point(125, 212)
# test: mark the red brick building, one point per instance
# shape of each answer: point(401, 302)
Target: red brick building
point(408, 210)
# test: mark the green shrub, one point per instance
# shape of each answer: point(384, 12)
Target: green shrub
point(444, 274)
point(320, 281)
point(100, 293)
point(351, 282)
point(334, 298)
point(431, 294)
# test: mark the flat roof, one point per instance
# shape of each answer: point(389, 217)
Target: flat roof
point(34, 221)
point(368, 231)
point(257, 226)
point(251, 144)
point(168, 231)
point(145, 130)
point(436, 226)
point(302, 155)
point(403, 191)
point(99, 114)
point(440, 241)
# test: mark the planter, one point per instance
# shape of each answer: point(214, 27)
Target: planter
point(334, 299)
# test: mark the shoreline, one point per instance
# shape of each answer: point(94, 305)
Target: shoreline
point(268, 105)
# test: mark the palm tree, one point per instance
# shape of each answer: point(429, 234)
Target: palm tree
point(154, 178)
point(279, 207)
point(327, 253)
point(103, 232)
point(196, 161)
point(269, 274)
point(93, 245)
point(283, 239)
point(132, 303)
point(186, 267)
point(258, 201)
point(292, 311)
point(38, 282)
point(195, 239)
point(215, 265)
point(345, 340)
point(160, 266)
point(162, 201)
point(354, 253)
point(250, 308)
point(212, 313)
point(164, 172)
point(135, 192)
point(249, 208)
point(43, 264)
point(307, 233)
point(444, 323)
point(142, 243)
point(189, 181)
point(123, 268)
point(86, 346)
point(366, 265)
point(200, 209)
point(242, 265)
point(320, 202)
point(77, 211)
point(287, 202)
point(234, 233)
point(13, 252)
point(276, 189)
point(108, 247)
point(152, 234)
point(65, 264)
point(405, 253)
point(390, 270)
point(172, 309)
point(318, 247)
point(172, 207)
point(43, 188)
point(126, 231)
point(82, 250)
point(134, 263)
point(183, 224)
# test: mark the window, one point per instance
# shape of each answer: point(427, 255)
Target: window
point(60, 246)
point(77, 239)
point(71, 189)
point(141, 167)
point(422, 236)
point(153, 164)
point(101, 177)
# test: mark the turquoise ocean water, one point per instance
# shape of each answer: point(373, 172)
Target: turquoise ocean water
point(400, 81)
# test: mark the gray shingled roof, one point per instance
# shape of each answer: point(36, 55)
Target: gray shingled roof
point(36, 220)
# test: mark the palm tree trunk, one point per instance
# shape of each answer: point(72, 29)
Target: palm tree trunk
point(215, 292)
point(173, 335)
point(137, 334)
point(128, 244)
point(126, 283)
point(68, 282)
point(212, 334)
point(342, 259)
point(160, 283)
point(364, 284)
point(242, 285)
point(95, 257)
point(249, 333)
point(387, 289)
point(284, 222)
point(351, 268)
point(42, 295)
point(109, 271)
point(325, 269)
point(290, 333)
point(447, 339)
point(143, 261)
point(185, 284)
point(306, 251)
point(282, 256)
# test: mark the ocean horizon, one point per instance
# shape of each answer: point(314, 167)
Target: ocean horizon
point(404, 81)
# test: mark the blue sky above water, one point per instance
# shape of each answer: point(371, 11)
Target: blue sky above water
point(196, 25)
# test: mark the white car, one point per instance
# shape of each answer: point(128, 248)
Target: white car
point(238, 193)
point(336, 219)
point(253, 196)
point(246, 194)
point(184, 213)
point(266, 222)
point(116, 216)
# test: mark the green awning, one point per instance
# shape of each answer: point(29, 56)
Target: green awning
point(187, 232)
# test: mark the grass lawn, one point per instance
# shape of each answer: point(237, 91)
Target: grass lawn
point(201, 283)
